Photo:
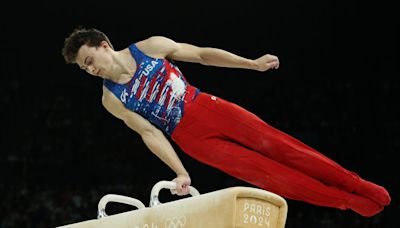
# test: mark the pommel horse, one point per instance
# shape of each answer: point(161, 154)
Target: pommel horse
point(234, 207)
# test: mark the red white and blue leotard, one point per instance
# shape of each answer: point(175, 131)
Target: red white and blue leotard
point(157, 91)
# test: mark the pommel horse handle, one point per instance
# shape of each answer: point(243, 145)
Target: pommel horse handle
point(169, 185)
point(118, 199)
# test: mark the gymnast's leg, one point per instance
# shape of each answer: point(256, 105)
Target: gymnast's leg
point(213, 118)
point(253, 133)
point(272, 176)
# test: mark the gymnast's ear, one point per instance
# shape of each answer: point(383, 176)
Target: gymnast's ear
point(104, 44)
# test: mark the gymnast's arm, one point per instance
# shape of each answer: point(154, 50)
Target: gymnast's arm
point(161, 47)
point(152, 137)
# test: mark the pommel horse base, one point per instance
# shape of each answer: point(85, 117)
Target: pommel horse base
point(235, 207)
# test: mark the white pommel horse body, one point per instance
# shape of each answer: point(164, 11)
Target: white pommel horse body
point(234, 207)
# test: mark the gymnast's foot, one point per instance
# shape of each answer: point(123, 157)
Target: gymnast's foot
point(364, 206)
point(374, 192)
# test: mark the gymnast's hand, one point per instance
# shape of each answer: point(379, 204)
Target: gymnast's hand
point(182, 185)
point(266, 62)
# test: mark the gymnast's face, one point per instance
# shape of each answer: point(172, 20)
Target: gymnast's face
point(97, 61)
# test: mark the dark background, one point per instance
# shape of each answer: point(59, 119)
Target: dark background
point(337, 90)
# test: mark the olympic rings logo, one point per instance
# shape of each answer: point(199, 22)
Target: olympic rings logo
point(175, 222)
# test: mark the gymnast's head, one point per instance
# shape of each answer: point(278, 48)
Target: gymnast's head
point(90, 49)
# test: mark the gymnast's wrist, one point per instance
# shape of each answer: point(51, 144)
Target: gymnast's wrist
point(183, 174)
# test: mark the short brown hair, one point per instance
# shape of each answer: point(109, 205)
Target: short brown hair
point(79, 37)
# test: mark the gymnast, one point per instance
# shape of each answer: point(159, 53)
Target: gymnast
point(143, 87)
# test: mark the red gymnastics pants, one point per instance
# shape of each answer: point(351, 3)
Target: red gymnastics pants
point(225, 136)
